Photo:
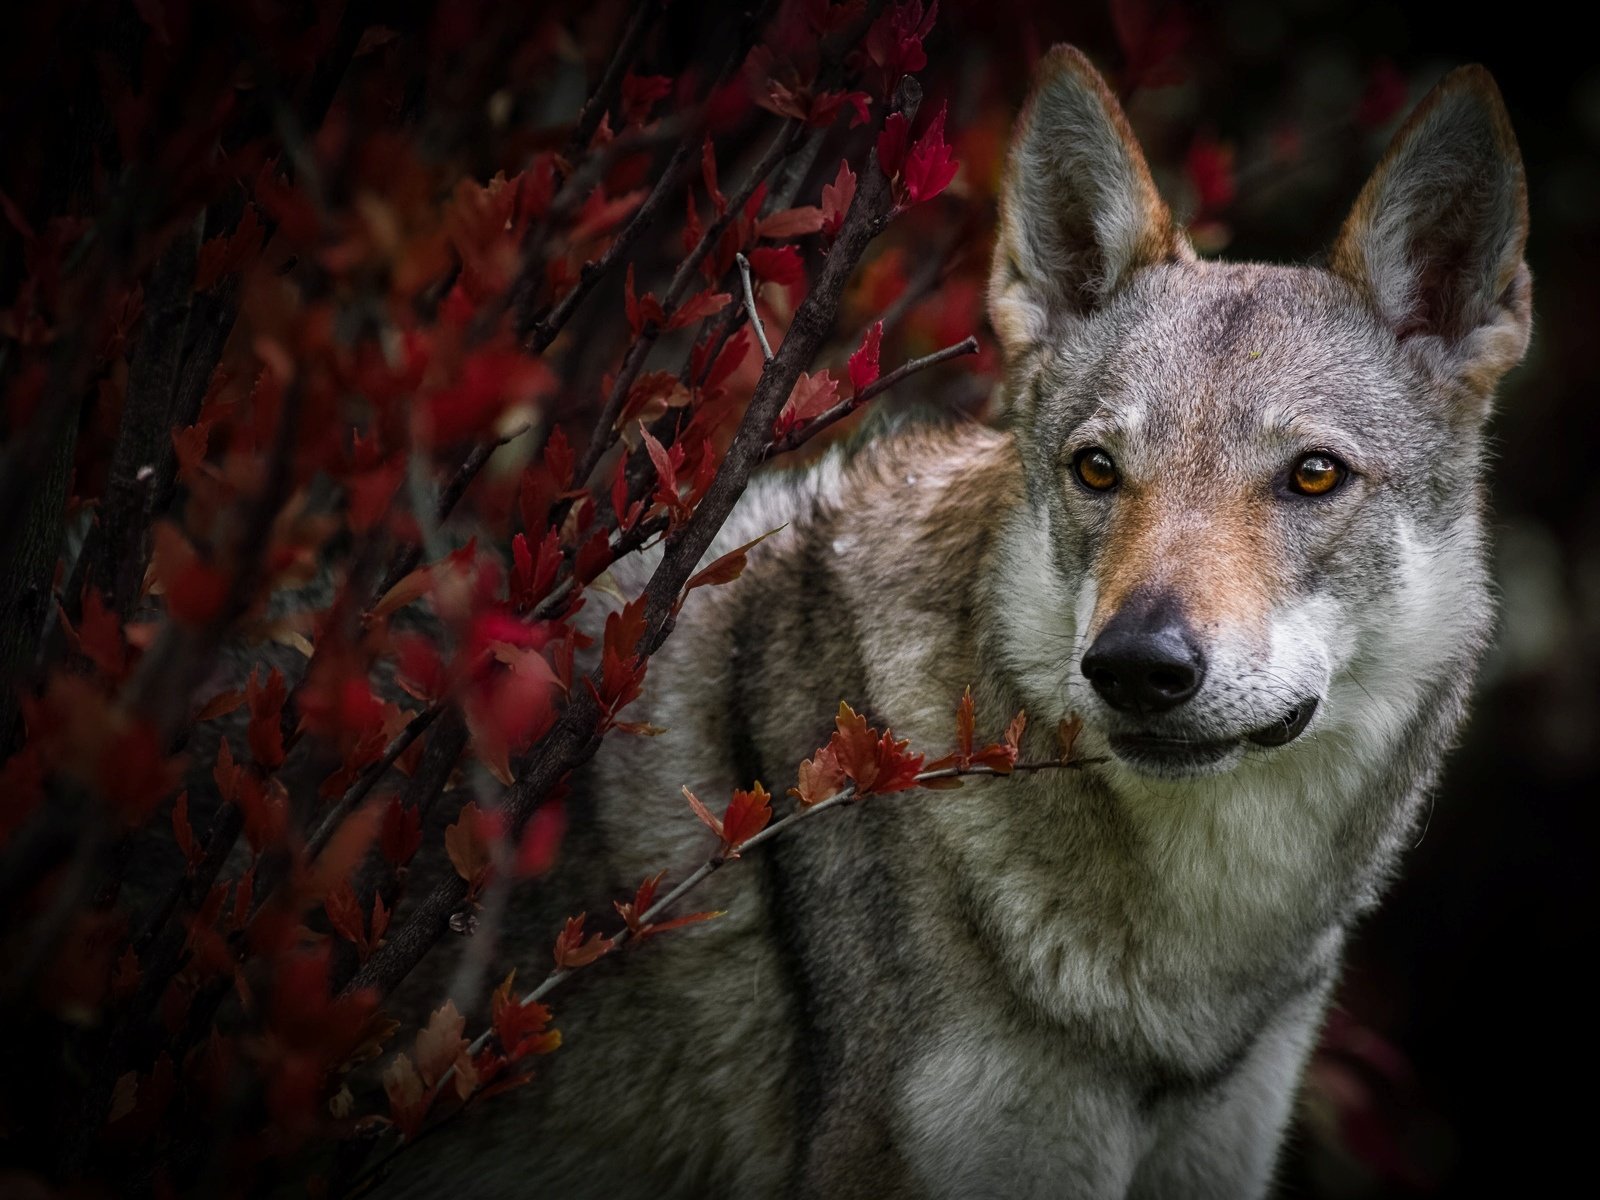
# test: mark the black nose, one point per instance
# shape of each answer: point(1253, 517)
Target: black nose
point(1145, 660)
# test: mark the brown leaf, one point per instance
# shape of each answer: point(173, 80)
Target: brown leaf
point(791, 222)
point(728, 567)
point(821, 776)
point(747, 815)
point(440, 1042)
point(704, 813)
point(464, 842)
point(573, 951)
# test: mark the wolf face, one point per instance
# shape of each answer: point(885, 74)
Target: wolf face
point(1244, 480)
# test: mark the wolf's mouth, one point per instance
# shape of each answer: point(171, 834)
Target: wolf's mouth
point(1290, 726)
point(1170, 755)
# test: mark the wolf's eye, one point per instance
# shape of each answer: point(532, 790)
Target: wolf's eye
point(1317, 474)
point(1095, 469)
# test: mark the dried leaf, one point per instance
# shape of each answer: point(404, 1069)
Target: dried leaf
point(728, 567)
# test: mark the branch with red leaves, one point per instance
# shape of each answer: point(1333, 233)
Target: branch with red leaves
point(802, 422)
point(577, 732)
point(856, 764)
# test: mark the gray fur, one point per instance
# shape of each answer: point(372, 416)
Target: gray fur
point(1100, 983)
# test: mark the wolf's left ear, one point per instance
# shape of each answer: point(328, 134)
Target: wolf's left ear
point(1079, 212)
point(1436, 239)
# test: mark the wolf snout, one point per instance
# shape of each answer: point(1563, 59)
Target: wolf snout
point(1145, 660)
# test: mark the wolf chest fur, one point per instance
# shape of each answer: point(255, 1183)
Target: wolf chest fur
point(1232, 518)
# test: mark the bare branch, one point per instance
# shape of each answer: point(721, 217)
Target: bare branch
point(750, 307)
point(358, 790)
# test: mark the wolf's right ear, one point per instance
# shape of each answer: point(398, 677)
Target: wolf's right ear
point(1079, 212)
point(1436, 239)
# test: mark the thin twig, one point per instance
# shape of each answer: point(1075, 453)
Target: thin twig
point(967, 345)
point(369, 777)
point(750, 306)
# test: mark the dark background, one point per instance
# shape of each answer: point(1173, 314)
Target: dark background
point(1462, 1043)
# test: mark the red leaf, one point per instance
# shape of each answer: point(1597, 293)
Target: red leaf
point(708, 173)
point(220, 705)
point(226, 254)
point(666, 468)
point(728, 360)
point(573, 951)
point(825, 107)
point(875, 764)
point(836, 198)
point(400, 835)
point(632, 913)
point(892, 144)
point(490, 381)
point(697, 308)
point(855, 746)
point(597, 214)
point(541, 839)
point(135, 773)
point(1209, 165)
point(821, 776)
point(559, 458)
point(265, 733)
point(195, 591)
point(864, 362)
point(183, 832)
point(641, 312)
point(791, 222)
point(408, 1096)
point(98, 636)
point(781, 265)
point(467, 847)
point(748, 814)
point(812, 396)
point(225, 773)
point(593, 557)
point(266, 811)
point(727, 568)
point(641, 93)
point(521, 1028)
point(930, 166)
point(893, 43)
point(439, 1043)
point(704, 813)
point(370, 493)
point(345, 915)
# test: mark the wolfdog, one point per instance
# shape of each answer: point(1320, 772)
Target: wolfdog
point(1234, 519)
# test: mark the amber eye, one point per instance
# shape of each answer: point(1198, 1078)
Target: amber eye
point(1096, 470)
point(1317, 474)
